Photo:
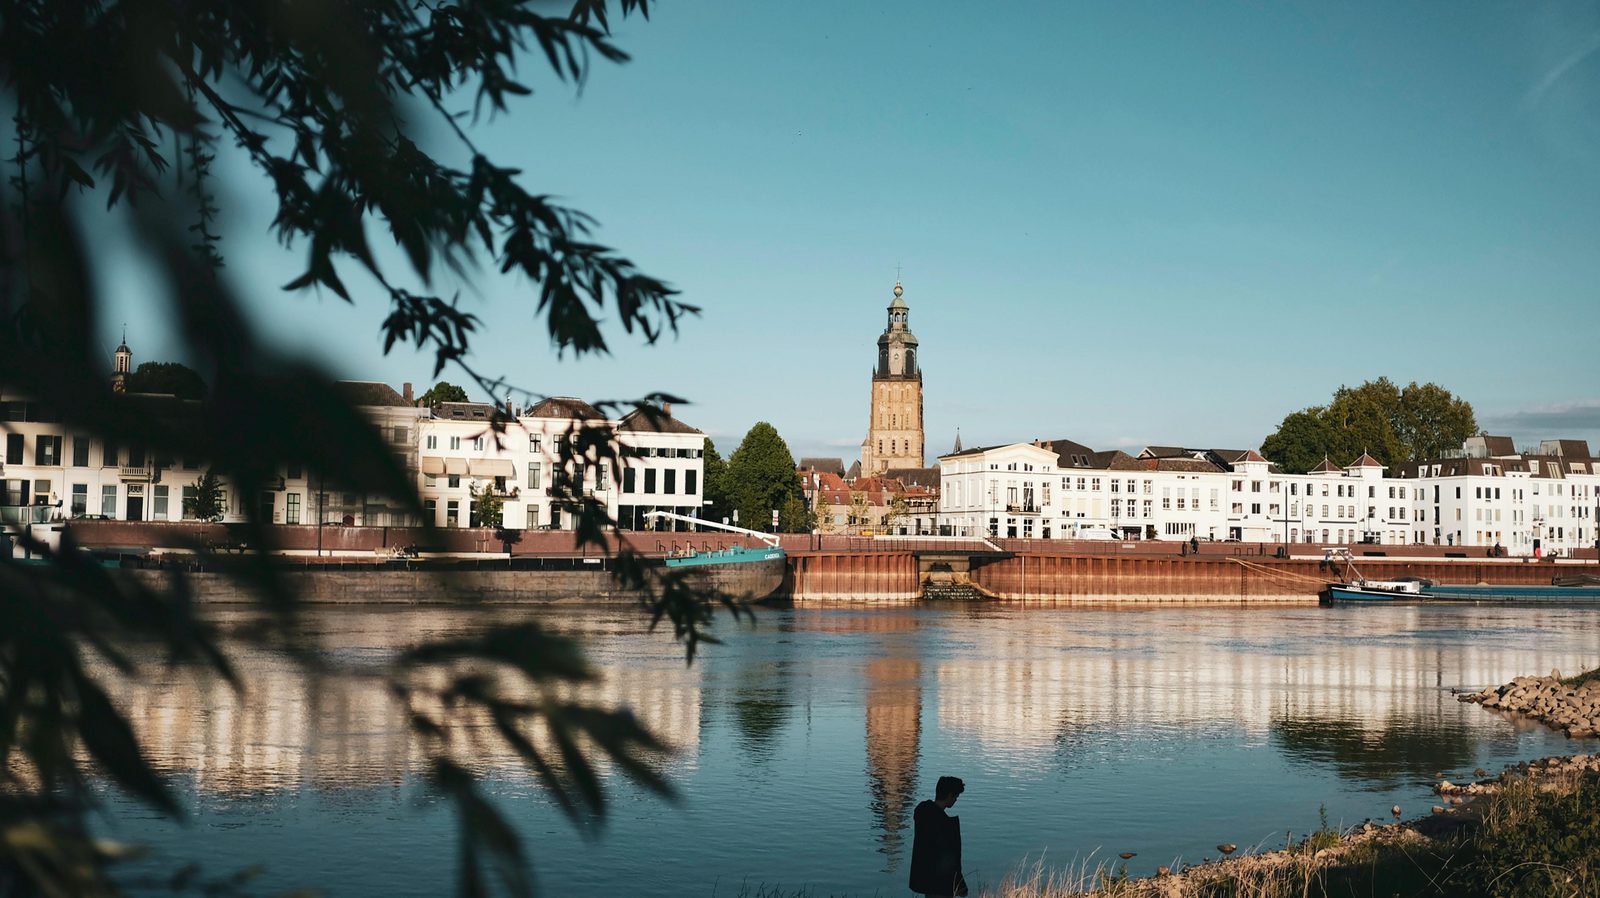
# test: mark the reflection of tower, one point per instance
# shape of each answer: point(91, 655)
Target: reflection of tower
point(894, 433)
point(122, 362)
point(894, 727)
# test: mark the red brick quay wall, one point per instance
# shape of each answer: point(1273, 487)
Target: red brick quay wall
point(854, 576)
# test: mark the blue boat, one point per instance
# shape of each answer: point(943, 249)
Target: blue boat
point(1375, 591)
point(1519, 594)
point(730, 555)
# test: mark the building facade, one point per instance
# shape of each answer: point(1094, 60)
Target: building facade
point(894, 430)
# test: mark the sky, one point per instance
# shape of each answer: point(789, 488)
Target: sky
point(1124, 223)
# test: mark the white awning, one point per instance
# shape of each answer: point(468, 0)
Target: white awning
point(455, 466)
point(491, 467)
point(432, 464)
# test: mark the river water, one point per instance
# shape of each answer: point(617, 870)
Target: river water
point(802, 744)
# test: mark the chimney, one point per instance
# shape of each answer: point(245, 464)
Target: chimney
point(667, 407)
point(405, 390)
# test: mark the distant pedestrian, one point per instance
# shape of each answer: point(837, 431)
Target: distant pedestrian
point(936, 844)
point(1194, 545)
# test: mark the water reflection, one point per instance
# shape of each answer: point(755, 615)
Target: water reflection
point(294, 727)
point(1074, 730)
point(894, 730)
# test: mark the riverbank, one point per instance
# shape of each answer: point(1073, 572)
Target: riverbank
point(1532, 831)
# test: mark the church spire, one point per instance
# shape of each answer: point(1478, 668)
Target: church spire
point(957, 447)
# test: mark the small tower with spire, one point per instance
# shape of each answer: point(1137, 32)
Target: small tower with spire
point(122, 364)
point(894, 431)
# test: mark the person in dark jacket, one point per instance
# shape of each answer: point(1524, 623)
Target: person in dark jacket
point(936, 845)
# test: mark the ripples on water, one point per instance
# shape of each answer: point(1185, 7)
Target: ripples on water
point(802, 745)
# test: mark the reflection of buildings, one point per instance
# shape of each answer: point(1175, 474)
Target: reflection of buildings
point(894, 728)
point(293, 728)
point(1099, 675)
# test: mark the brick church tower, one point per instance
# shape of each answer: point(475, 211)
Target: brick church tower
point(894, 434)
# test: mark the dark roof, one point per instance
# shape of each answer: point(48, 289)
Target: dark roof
point(463, 411)
point(1069, 453)
point(854, 472)
point(828, 465)
point(564, 407)
point(1194, 465)
point(660, 421)
point(1459, 467)
point(1165, 452)
point(370, 393)
point(1327, 467)
point(1116, 460)
point(1569, 448)
point(1500, 446)
point(924, 477)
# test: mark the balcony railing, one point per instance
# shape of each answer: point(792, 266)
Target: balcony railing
point(1023, 509)
point(133, 473)
point(26, 514)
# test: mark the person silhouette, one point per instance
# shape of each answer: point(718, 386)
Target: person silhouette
point(936, 844)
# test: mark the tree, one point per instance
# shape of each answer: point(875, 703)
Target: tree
point(822, 510)
point(443, 391)
point(761, 478)
point(716, 488)
point(899, 509)
point(167, 377)
point(487, 505)
point(208, 502)
point(1378, 418)
point(794, 517)
point(129, 105)
point(859, 505)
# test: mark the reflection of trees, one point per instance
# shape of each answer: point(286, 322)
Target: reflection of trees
point(1383, 753)
point(761, 699)
point(894, 728)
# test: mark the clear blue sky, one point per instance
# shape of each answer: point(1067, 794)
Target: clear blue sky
point(1123, 223)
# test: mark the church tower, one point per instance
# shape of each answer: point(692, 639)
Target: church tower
point(122, 365)
point(894, 433)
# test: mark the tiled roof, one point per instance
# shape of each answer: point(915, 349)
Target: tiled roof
point(923, 477)
point(1365, 461)
point(659, 421)
point(1327, 467)
point(464, 411)
point(1069, 453)
point(369, 393)
point(1460, 467)
point(821, 463)
point(564, 407)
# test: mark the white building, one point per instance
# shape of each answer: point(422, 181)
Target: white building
point(545, 457)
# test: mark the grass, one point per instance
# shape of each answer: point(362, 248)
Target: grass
point(1535, 839)
point(1582, 678)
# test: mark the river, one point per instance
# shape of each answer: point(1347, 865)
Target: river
point(802, 744)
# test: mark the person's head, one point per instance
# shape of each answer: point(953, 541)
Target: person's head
point(947, 790)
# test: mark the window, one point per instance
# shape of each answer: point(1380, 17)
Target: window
point(80, 452)
point(630, 479)
point(453, 481)
point(535, 442)
point(691, 482)
point(189, 495)
point(669, 481)
point(291, 510)
point(108, 500)
point(14, 443)
point(430, 511)
point(477, 443)
point(452, 509)
point(108, 455)
point(47, 450)
point(433, 441)
point(600, 476)
point(158, 509)
point(80, 499)
point(455, 442)
point(649, 480)
point(533, 474)
point(399, 435)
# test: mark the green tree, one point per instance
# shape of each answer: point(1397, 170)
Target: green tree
point(716, 487)
point(899, 509)
point(822, 509)
point(859, 508)
point(443, 391)
point(488, 508)
point(167, 377)
point(794, 517)
point(1432, 419)
point(1377, 417)
point(1302, 441)
point(207, 503)
point(761, 478)
point(338, 110)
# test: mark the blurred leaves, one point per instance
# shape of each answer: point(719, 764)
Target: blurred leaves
point(120, 113)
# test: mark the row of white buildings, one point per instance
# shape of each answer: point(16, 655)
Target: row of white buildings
point(1488, 495)
point(48, 472)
